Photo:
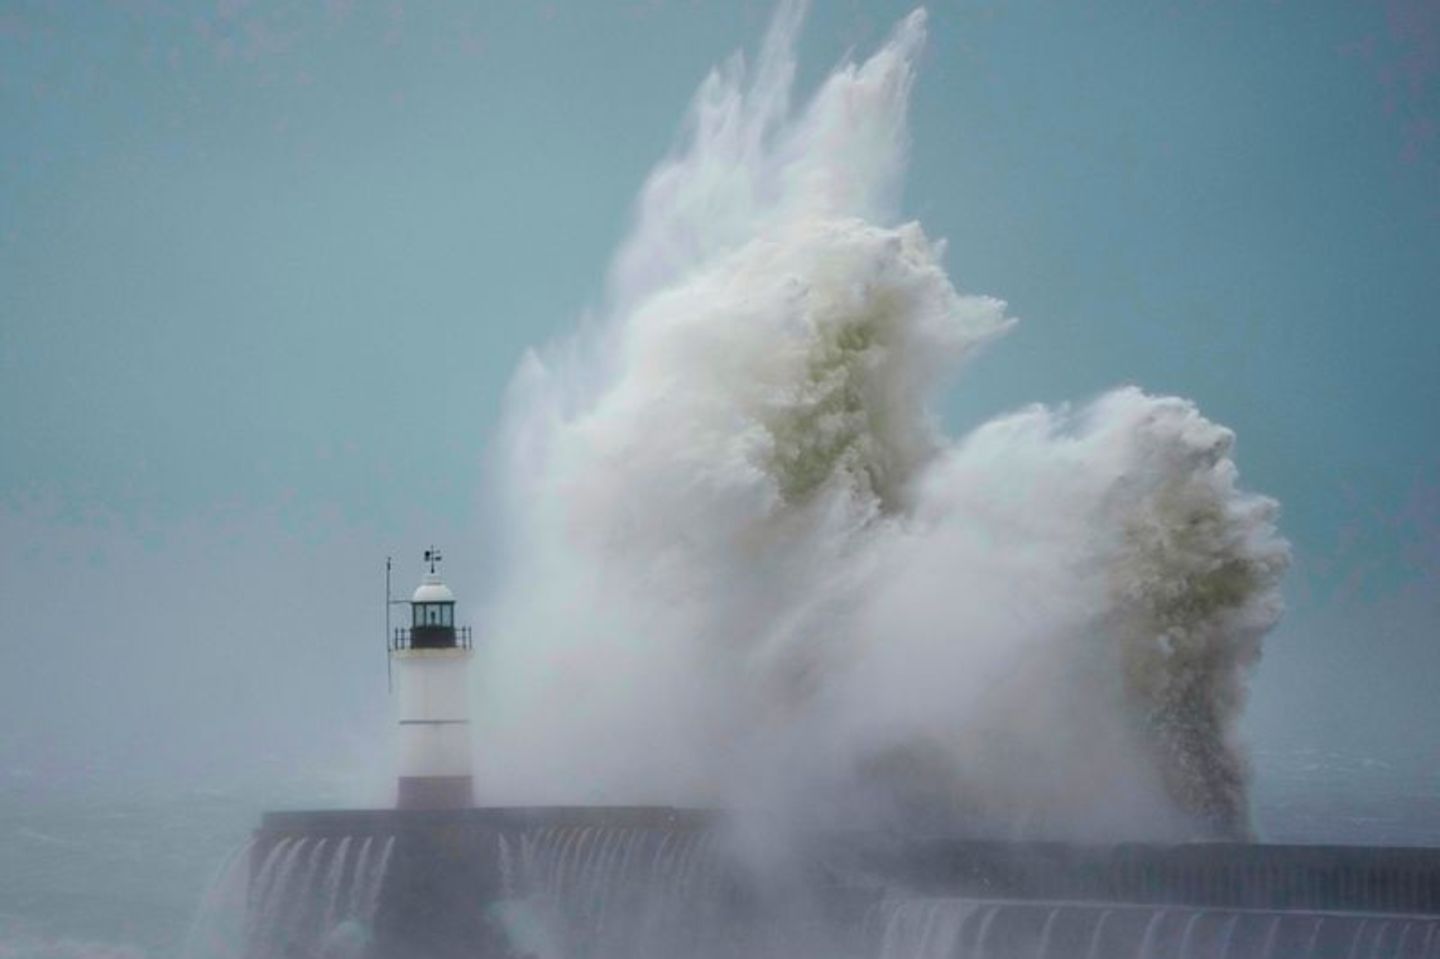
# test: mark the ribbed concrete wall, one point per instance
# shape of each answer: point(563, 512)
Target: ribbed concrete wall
point(448, 870)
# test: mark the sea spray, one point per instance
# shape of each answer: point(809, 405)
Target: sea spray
point(747, 567)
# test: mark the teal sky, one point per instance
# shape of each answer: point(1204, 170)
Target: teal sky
point(266, 267)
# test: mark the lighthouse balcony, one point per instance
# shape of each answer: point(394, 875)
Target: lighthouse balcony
point(431, 637)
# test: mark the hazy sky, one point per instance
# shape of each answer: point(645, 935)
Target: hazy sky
point(266, 267)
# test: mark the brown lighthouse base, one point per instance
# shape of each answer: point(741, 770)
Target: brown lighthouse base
point(435, 792)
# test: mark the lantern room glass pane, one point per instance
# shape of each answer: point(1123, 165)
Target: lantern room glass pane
point(446, 614)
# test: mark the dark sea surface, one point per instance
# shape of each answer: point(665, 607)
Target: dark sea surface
point(122, 879)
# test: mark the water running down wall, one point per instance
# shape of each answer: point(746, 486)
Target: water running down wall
point(634, 883)
point(277, 895)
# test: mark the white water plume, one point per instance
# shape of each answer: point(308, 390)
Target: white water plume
point(747, 567)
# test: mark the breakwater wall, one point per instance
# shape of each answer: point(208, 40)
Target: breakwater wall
point(636, 882)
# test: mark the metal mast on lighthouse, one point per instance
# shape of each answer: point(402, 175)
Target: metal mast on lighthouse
point(432, 665)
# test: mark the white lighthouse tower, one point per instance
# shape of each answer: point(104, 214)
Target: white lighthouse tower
point(432, 667)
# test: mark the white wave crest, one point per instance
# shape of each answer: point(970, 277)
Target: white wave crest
point(748, 567)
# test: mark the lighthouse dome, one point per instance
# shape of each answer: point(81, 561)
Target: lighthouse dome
point(433, 591)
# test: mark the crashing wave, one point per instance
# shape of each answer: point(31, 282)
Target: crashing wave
point(749, 567)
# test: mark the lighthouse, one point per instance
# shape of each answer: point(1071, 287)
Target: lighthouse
point(431, 660)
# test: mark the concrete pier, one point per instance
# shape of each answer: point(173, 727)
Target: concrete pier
point(468, 882)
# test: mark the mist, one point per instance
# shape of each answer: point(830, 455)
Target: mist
point(173, 682)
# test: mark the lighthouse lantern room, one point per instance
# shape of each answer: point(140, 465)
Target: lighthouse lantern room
point(431, 662)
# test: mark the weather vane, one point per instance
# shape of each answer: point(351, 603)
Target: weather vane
point(432, 556)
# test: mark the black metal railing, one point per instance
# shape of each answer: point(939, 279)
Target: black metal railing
point(431, 637)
